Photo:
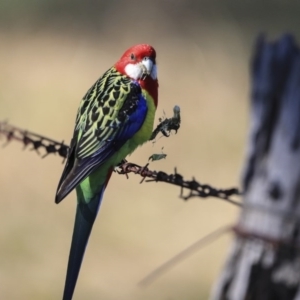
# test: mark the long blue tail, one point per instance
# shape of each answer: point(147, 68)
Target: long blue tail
point(84, 220)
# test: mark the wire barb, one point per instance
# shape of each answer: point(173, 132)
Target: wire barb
point(169, 124)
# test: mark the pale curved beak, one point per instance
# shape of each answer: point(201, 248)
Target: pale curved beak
point(147, 65)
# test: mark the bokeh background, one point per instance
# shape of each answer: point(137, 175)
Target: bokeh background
point(51, 52)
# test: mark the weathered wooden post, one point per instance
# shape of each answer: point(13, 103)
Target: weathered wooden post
point(264, 262)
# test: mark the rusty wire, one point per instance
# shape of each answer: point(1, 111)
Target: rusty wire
point(36, 142)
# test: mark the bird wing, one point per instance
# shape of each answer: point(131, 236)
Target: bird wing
point(111, 112)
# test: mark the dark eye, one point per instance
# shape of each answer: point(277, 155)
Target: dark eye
point(132, 56)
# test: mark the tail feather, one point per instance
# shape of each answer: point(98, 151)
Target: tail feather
point(85, 216)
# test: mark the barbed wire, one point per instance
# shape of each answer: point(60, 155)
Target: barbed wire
point(36, 142)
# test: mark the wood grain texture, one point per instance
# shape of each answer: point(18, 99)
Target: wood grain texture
point(264, 262)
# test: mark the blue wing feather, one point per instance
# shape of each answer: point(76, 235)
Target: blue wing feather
point(125, 132)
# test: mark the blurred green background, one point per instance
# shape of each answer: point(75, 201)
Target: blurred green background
point(51, 52)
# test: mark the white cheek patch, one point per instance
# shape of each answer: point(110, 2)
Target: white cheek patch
point(134, 71)
point(154, 72)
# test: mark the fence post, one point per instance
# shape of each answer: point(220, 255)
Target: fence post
point(264, 261)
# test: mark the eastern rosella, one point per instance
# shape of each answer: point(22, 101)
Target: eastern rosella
point(115, 116)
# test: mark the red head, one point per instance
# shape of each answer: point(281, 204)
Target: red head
point(138, 62)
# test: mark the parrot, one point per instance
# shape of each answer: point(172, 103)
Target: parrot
point(115, 116)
